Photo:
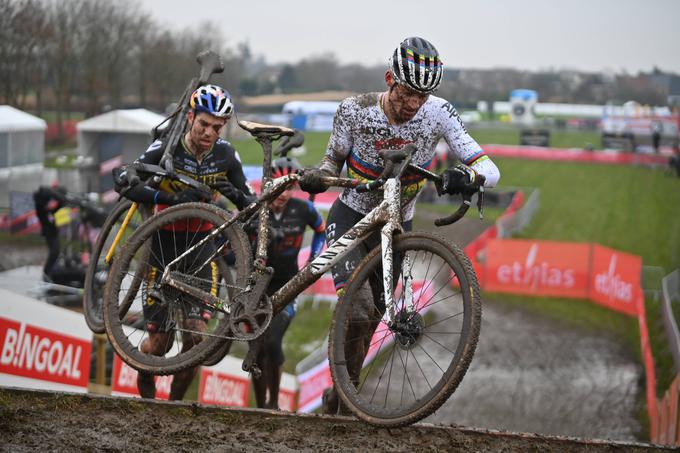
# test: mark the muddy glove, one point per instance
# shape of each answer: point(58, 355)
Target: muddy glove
point(189, 195)
point(312, 180)
point(236, 196)
point(459, 179)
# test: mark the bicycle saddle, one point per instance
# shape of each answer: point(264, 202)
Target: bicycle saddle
point(257, 128)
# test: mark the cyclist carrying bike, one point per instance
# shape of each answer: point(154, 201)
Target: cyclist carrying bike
point(202, 155)
point(288, 218)
point(405, 113)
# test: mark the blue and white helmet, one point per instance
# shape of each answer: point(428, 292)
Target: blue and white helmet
point(213, 100)
point(416, 64)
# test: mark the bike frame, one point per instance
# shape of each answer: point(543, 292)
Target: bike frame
point(387, 216)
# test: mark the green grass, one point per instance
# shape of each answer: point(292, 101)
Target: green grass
point(306, 333)
point(558, 138)
point(315, 144)
point(633, 209)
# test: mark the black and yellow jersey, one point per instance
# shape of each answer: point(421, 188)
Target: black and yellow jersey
point(222, 160)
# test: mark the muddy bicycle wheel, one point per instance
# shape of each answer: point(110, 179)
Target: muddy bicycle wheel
point(160, 308)
point(394, 375)
point(98, 269)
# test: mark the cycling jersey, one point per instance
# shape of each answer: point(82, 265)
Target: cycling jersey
point(361, 129)
point(286, 232)
point(220, 161)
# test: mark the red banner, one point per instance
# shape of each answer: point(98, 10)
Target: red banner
point(224, 389)
point(124, 381)
point(312, 384)
point(33, 352)
point(615, 279)
point(537, 268)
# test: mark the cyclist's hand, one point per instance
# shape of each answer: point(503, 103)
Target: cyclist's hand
point(190, 195)
point(311, 180)
point(459, 179)
point(236, 196)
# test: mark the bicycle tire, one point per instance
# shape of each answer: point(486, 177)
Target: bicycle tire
point(126, 339)
point(93, 294)
point(360, 391)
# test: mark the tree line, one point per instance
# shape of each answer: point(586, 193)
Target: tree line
point(91, 55)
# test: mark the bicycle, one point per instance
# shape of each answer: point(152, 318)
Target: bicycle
point(125, 217)
point(404, 309)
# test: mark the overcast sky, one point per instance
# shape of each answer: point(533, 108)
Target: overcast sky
point(592, 35)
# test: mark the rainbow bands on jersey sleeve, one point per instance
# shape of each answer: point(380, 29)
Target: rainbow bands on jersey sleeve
point(358, 168)
point(479, 156)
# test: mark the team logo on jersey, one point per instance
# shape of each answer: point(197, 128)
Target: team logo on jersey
point(453, 114)
point(390, 143)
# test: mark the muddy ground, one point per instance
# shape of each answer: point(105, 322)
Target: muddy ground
point(43, 421)
point(528, 375)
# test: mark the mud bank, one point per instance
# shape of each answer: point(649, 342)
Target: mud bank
point(47, 421)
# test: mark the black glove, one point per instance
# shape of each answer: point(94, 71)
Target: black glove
point(312, 180)
point(460, 179)
point(189, 195)
point(236, 196)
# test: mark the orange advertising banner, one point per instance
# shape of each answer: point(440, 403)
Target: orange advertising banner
point(615, 279)
point(537, 268)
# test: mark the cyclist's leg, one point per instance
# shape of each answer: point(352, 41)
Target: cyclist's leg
point(340, 219)
point(182, 380)
point(196, 316)
point(157, 343)
point(273, 351)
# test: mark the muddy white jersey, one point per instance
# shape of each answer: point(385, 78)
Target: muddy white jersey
point(361, 129)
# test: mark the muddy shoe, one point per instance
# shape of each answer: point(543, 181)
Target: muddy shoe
point(329, 402)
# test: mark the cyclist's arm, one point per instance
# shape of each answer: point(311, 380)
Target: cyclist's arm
point(236, 176)
point(316, 223)
point(466, 148)
point(142, 193)
point(340, 142)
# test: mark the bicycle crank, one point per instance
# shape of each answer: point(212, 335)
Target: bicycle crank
point(252, 312)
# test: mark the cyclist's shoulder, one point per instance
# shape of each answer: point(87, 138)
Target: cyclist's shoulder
point(153, 152)
point(225, 150)
point(437, 104)
point(443, 110)
point(359, 102)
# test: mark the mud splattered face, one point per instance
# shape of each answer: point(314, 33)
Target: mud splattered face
point(204, 130)
point(403, 102)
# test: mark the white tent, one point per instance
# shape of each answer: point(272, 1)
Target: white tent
point(114, 138)
point(22, 152)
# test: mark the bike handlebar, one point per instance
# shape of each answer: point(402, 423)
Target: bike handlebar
point(399, 157)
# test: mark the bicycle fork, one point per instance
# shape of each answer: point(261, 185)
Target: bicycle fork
point(392, 193)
